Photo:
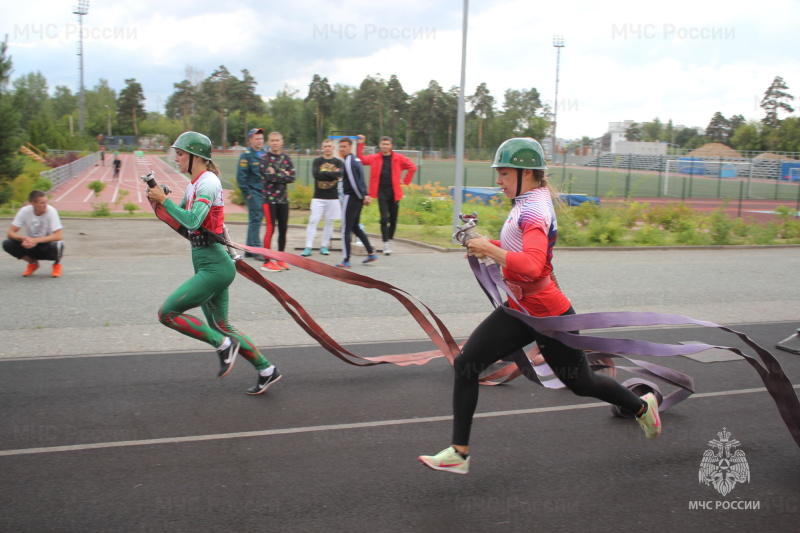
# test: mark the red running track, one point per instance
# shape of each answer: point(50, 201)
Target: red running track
point(75, 195)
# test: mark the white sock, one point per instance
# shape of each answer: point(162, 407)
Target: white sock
point(225, 344)
point(267, 371)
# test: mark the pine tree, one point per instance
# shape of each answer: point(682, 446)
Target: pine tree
point(776, 99)
point(130, 107)
point(321, 94)
point(182, 104)
point(10, 162)
point(482, 107)
point(718, 130)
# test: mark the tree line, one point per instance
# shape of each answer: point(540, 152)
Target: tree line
point(225, 106)
point(771, 133)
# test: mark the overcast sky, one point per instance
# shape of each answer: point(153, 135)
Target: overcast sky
point(681, 60)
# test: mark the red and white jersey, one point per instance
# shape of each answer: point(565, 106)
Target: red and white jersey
point(207, 188)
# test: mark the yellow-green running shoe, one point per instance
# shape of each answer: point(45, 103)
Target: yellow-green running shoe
point(447, 460)
point(649, 420)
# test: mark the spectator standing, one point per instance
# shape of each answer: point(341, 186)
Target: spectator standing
point(355, 197)
point(277, 169)
point(386, 168)
point(325, 205)
point(251, 183)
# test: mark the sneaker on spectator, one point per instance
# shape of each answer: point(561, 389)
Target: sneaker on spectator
point(306, 252)
point(283, 264)
point(344, 264)
point(324, 250)
point(31, 269)
point(270, 266)
point(56, 270)
point(370, 258)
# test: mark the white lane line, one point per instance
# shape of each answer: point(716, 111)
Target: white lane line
point(332, 427)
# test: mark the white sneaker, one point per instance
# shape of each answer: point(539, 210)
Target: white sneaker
point(387, 248)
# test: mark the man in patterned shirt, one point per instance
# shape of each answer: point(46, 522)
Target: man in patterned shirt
point(277, 170)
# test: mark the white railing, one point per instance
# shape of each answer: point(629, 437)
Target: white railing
point(59, 175)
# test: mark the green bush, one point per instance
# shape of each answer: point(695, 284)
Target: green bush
point(18, 189)
point(97, 186)
point(764, 233)
point(131, 207)
point(721, 228)
point(632, 212)
point(671, 217)
point(605, 231)
point(650, 236)
point(101, 209)
point(789, 225)
point(300, 196)
point(237, 197)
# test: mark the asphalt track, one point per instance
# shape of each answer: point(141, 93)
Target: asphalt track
point(155, 443)
point(111, 422)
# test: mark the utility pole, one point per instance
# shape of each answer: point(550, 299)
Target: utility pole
point(458, 183)
point(558, 42)
point(81, 10)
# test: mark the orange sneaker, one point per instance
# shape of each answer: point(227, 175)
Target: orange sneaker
point(283, 264)
point(31, 269)
point(269, 266)
point(57, 270)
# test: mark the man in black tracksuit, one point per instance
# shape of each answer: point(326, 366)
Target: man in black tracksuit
point(355, 198)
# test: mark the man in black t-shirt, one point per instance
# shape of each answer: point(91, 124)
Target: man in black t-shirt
point(325, 205)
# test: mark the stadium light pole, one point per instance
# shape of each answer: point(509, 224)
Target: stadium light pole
point(558, 43)
point(81, 10)
point(458, 183)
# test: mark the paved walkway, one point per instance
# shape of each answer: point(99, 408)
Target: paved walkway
point(117, 272)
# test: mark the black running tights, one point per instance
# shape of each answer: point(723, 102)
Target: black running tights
point(499, 335)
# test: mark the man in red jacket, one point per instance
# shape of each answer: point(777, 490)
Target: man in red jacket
point(386, 168)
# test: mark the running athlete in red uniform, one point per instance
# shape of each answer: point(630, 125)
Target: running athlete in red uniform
point(524, 252)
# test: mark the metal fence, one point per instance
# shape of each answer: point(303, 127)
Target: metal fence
point(762, 165)
point(59, 175)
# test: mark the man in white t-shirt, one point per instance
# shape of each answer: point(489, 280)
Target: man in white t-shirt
point(44, 238)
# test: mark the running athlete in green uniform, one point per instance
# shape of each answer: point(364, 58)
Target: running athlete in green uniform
point(201, 212)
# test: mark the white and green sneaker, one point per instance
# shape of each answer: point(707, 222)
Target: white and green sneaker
point(447, 460)
point(650, 420)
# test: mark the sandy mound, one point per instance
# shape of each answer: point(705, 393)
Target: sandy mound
point(714, 150)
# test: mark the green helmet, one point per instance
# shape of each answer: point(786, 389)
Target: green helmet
point(194, 143)
point(521, 152)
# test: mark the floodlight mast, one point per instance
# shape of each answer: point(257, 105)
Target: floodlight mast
point(558, 43)
point(81, 10)
point(458, 182)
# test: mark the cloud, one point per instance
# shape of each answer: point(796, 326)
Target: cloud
point(632, 60)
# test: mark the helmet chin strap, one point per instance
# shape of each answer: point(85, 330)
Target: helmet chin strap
point(519, 182)
point(191, 160)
